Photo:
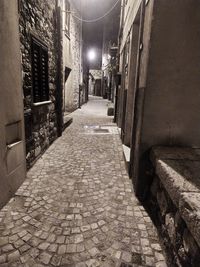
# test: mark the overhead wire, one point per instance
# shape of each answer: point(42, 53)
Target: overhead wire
point(99, 18)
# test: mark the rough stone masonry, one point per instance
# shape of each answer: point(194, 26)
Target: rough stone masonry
point(38, 18)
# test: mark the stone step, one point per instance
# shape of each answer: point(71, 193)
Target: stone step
point(126, 151)
point(67, 121)
point(178, 170)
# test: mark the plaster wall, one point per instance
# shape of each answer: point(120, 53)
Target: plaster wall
point(172, 94)
point(169, 82)
point(12, 152)
point(72, 58)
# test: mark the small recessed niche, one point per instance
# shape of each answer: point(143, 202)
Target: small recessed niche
point(13, 132)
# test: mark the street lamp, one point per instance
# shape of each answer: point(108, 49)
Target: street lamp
point(91, 55)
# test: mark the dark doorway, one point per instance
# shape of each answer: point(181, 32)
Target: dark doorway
point(67, 72)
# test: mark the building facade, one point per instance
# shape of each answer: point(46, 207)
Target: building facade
point(95, 77)
point(159, 107)
point(72, 55)
point(139, 35)
point(109, 51)
point(38, 23)
point(12, 141)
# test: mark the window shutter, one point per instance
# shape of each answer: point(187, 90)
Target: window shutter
point(39, 71)
point(36, 72)
point(44, 75)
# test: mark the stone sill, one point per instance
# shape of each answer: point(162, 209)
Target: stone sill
point(179, 171)
point(27, 111)
point(127, 152)
point(42, 103)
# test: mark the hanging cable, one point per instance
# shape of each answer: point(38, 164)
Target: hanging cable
point(99, 18)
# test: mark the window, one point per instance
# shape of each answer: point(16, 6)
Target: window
point(67, 18)
point(39, 71)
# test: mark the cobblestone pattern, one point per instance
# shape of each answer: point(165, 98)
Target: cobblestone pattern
point(77, 207)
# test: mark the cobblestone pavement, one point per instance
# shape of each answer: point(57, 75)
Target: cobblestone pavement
point(77, 207)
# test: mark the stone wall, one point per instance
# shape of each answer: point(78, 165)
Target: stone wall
point(38, 18)
point(174, 202)
point(177, 238)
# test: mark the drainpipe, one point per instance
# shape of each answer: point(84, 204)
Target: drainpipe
point(79, 96)
point(59, 84)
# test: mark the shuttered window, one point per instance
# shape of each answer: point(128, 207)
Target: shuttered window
point(39, 71)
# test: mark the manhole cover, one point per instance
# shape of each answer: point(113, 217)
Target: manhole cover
point(101, 130)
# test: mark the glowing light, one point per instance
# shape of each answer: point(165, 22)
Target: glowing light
point(91, 55)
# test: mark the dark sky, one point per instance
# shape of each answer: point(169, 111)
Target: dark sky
point(93, 32)
point(94, 8)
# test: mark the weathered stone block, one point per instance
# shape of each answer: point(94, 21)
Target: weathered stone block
point(37, 151)
point(155, 186)
point(173, 176)
point(170, 225)
point(178, 220)
point(190, 211)
point(162, 202)
point(189, 243)
point(110, 111)
point(178, 171)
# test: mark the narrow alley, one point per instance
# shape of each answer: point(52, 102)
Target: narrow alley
point(99, 133)
point(77, 206)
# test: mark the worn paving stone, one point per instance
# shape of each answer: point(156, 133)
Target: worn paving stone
point(2, 259)
point(13, 256)
point(77, 206)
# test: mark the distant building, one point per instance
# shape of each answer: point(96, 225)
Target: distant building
point(95, 77)
point(72, 54)
point(110, 40)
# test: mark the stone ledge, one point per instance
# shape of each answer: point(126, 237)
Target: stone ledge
point(110, 110)
point(179, 171)
point(175, 153)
